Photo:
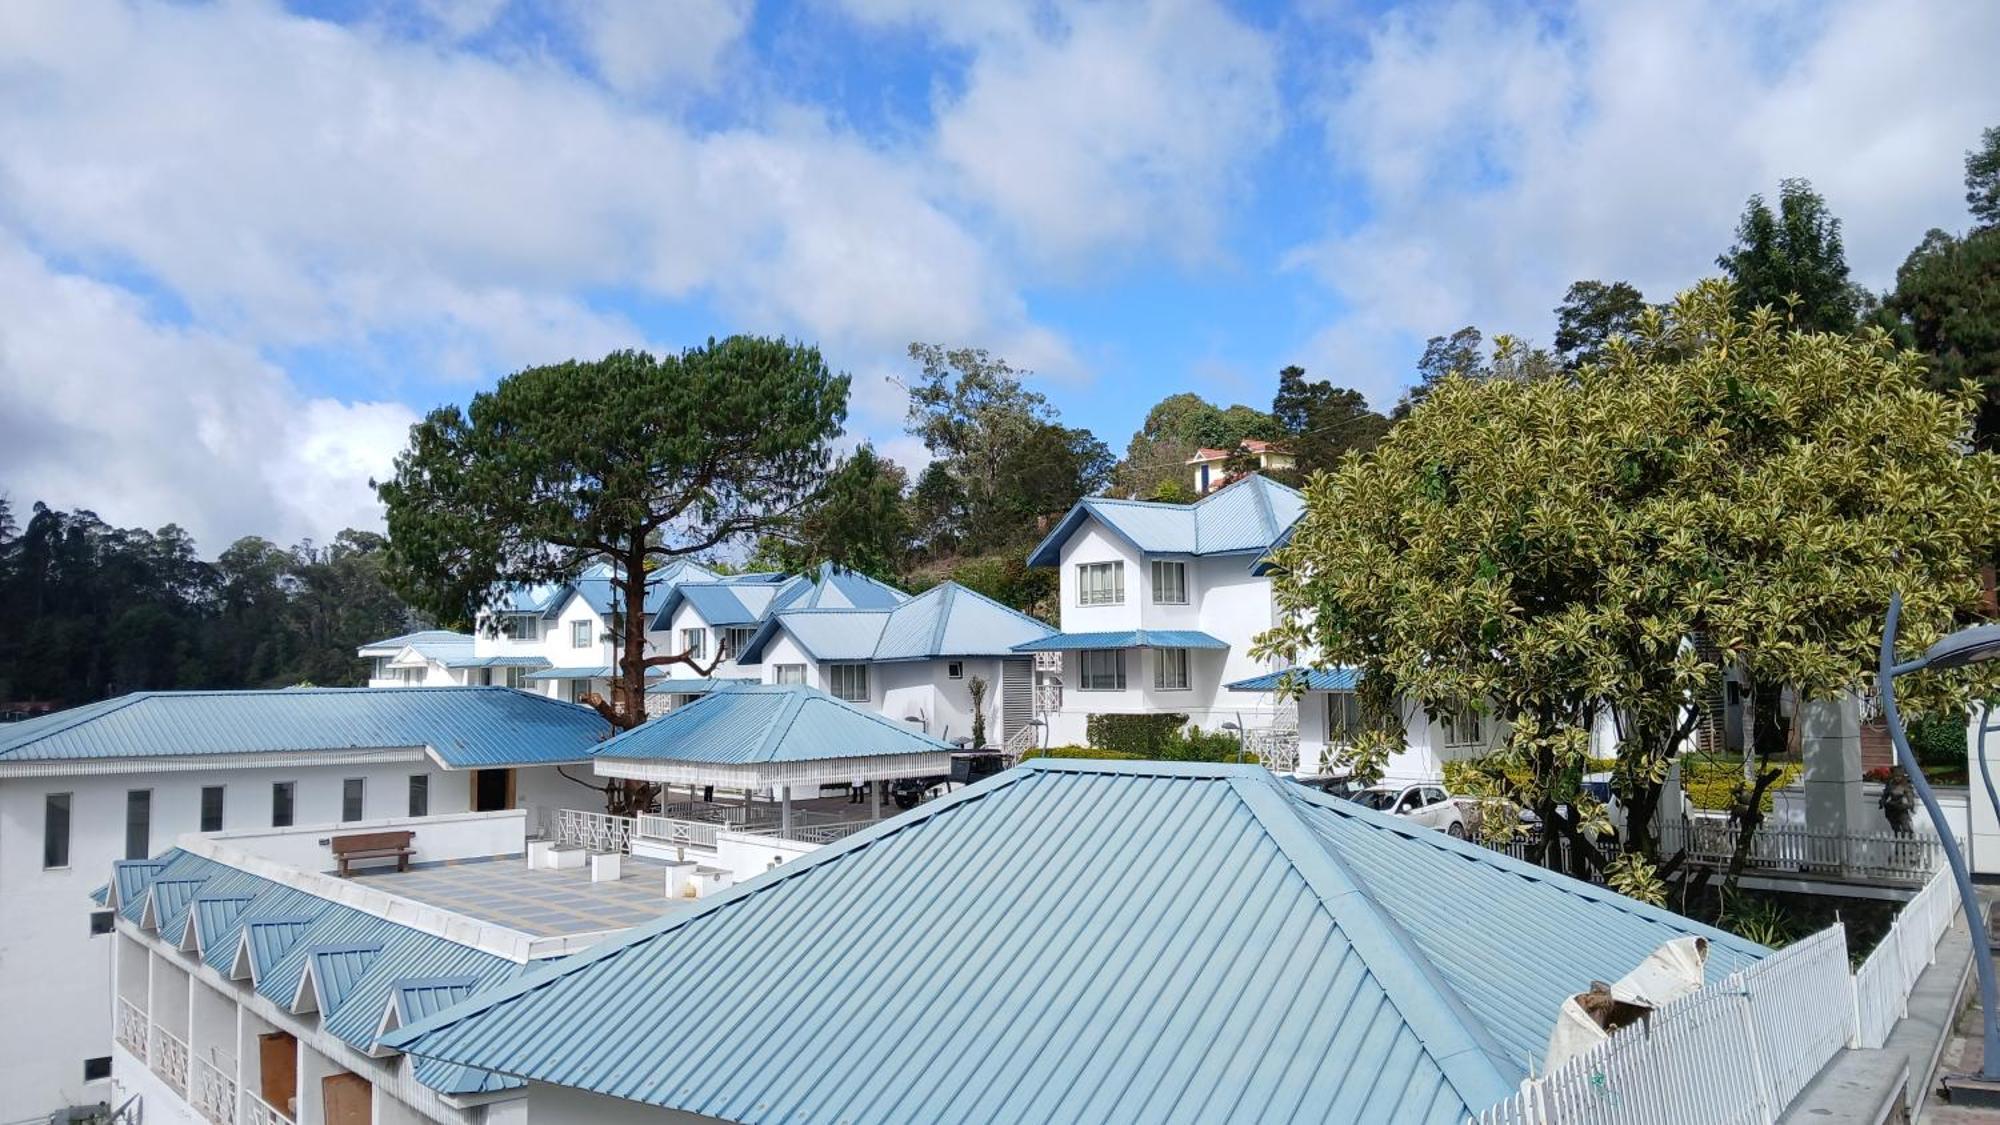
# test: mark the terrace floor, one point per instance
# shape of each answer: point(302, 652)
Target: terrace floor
point(505, 891)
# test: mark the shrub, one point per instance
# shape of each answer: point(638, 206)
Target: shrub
point(1086, 752)
point(1939, 742)
point(1142, 736)
point(1709, 782)
point(1194, 745)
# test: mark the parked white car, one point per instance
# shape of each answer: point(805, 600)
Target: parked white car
point(1428, 805)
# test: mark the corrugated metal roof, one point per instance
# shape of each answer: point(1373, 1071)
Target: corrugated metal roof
point(129, 876)
point(946, 620)
point(1126, 638)
point(753, 723)
point(1085, 941)
point(585, 672)
point(745, 599)
point(390, 646)
point(357, 960)
point(1248, 515)
point(693, 685)
point(466, 726)
point(1301, 679)
point(495, 661)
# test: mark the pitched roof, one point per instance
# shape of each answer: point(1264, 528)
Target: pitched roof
point(1247, 515)
point(466, 727)
point(745, 599)
point(1303, 679)
point(751, 724)
point(1124, 638)
point(946, 620)
point(1086, 941)
point(390, 646)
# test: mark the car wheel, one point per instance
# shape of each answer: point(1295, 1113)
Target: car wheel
point(1456, 831)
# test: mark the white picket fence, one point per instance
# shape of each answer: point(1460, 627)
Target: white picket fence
point(1741, 1049)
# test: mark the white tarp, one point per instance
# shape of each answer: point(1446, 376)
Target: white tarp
point(1668, 973)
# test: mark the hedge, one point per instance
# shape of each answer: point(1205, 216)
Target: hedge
point(1142, 736)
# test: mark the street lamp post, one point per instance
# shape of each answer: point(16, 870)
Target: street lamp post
point(1967, 646)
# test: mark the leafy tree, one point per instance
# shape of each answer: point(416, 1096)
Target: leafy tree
point(1546, 550)
point(1946, 304)
point(1982, 179)
point(1462, 353)
point(1155, 464)
point(859, 518)
point(1793, 259)
point(630, 460)
point(1320, 422)
point(1592, 314)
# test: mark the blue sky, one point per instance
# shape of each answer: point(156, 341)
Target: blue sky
point(244, 244)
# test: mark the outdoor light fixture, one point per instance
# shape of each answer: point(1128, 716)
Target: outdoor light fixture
point(1241, 748)
point(1967, 646)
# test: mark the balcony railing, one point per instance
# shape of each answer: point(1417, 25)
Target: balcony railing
point(1785, 848)
point(132, 1029)
point(256, 1111)
point(170, 1060)
point(213, 1093)
point(599, 832)
point(677, 832)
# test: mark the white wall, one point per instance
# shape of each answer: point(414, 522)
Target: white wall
point(1091, 543)
point(439, 837)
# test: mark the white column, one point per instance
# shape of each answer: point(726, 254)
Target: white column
point(1983, 824)
point(1830, 741)
point(785, 812)
point(875, 799)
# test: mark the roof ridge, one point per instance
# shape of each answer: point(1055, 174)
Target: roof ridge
point(998, 604)
point(947, 593)
point(72, 718)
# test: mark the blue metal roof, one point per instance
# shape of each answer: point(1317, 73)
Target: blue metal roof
point(357, 961)
point(470, 661)
point(467, 727)
point(1126, 638)
point(389, 646)
point(748, 724)
point(745, 599)
point(946, 620)
point(1246, 516)
point(1301, 679)
point(693, 685)
point(1085, 941)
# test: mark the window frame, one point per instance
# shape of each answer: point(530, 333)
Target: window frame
point(579, 634)
point(221, 805)
point(1179, 568)
point(788, 674)
point(694, 643)
point(1088, 592)
point(419, 794)
point(1341, 729)
point(290, 791)
point(1453, 723)
point(735, 639)
point(520, 627)
point(353, 789)
point(954, 670)
point(1162, 657)
point(1089, 680)
point(834, 674)
point(68, 829)
point(139, 799)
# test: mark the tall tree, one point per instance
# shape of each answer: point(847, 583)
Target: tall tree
point(859, 518)
point(1946, 304)
point(630, 460)
point(1592, 314)
point(1463, 353)
point(1982, 179)
point(1155, 464)
point(1546, 549)
point(1320, 422)
point(1792, 259)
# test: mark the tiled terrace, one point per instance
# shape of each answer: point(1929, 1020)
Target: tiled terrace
point(505, 891)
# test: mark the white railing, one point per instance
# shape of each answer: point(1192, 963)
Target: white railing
point(732, 816)
point(1882, 984)
point(170, 1059)
point(256, 1111)
point(1020, 742)
point(1742, 1049)
point(213, 1093)
point(1881, 855)
point(133, 1030)
point(672, 830)
point(599, 832)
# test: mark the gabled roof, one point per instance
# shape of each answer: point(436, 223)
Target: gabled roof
point(745, 599)
point(1246, 516)
point(597, 585)
point(418, 653)
point(466, 727)
point(390, 646)
point(946, 620)
point(1301, 679)
point(1124, 638)
point(311, 954)
point(754, 724)
point(1086, 941)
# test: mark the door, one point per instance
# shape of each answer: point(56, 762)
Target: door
point(346, 1099)
point(1017, 698)
point(492, 790)
point(278, 1072)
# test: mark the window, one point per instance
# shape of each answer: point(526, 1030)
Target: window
point(694, 642)
point(1170, 669)
point(1100, 583)
point(790, 674)
point(513, 677)
point(97, 1069)
point(55, 830)
point(1169, 583)
point(954, 670)
point(138, 823)
point(849, 681)
point(420, 794)
point(211, 808)
point(351, 791)
point(1101, 669)
point(281, 803)
point(519, 627)
point(733, 641)
point(1465, 727)
point(101, 922)
point(1343, 717)
point(579, 634)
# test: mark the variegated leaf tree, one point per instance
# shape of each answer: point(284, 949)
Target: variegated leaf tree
point(1552, 550)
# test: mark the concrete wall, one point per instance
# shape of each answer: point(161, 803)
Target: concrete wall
point(450, 836)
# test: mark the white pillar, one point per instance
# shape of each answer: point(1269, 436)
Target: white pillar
point(875, 799)
point(785, 812)
point(1830, 742)
point(1983, 849)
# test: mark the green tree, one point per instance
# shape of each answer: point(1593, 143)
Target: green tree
point(1155, 465)
point(1592, 314)
point(1320, 422)
point(1463, 353)
point(1946, 304)
point(859, 518)
point(1792, 259)
point(630, 460)
point(1545, 550)
point(1982, 179)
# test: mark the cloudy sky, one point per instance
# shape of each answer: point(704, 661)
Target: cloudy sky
point(244, 244)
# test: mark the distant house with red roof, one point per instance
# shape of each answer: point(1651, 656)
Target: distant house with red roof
point(1211, 473)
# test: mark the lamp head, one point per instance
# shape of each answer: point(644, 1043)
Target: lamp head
point(1967, 646)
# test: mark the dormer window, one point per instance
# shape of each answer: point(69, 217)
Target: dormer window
point(1100, 583)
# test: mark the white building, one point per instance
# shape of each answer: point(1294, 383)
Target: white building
point(1211, 466)
point(1329, 716)
point(1160, 607)
point(428, 658)
point(122, 778)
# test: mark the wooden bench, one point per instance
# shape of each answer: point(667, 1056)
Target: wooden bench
point(374, 845)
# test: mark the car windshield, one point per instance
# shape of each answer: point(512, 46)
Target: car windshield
point(1382, 799)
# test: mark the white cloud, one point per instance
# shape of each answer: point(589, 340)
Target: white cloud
point(645, 46)
point(1505, 153)
point(103, 407)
